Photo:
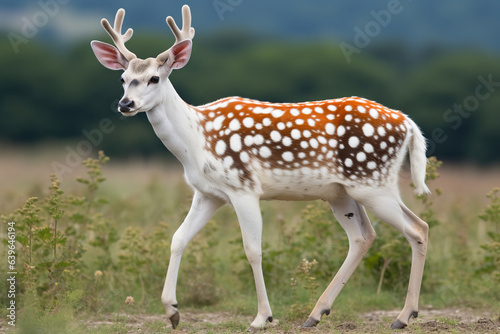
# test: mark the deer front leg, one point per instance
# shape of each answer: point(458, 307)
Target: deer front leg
point(248, 212)
point(202, 209)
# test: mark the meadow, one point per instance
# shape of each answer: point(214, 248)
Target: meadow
point(92, 252)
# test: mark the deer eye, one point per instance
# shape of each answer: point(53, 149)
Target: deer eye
point(154, 80)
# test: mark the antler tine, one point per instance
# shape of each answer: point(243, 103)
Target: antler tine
point(116, 34)
point(187, 31)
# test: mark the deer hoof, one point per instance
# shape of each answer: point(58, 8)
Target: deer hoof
point(175, 319)
point(310, 322)
point(398, 325)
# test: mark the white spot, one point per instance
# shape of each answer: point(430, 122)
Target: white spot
point(312, 153)
point(392, 139)
point(373, 113)
point(329, 155)
point(258, 140)
point(228, 161)
point(368, 129)
point(348, 162)
point(322, 140)
point(381, 131)
point(395, 116)
point(371, 165)
point(265, 152)
point(361, 109)
point(368, 148)
point(319, 110)
point(235, 142)
point(230, 115)
point(354, 141)
point(281, 126)
point(330, 128)
point(353, 177)
point(287, 141)
point(340, 130)
point(348, 117)
point(330, 116)
point(361, 156)
point(289, 124)
point(302, 155)
point(248, 140)
point(304, 144)
point(238, 107)
point(266, 121)
point(209, 126)
point(287, 156)
point(376, 174)
point(277, 113)
point(218, 122)
point(244, 157)
point(299, 121)
point(348, 107)
point(234, 125)
point(248, 122)
point(388, 126)
point(306, 133)
point(383, 145)
point(220, 147)
point(211, 114)
point(295, 134)
point(332, 143)
point(306, 111)
point(295, 112)
point(331, 107)
point(314, 143)
point(258, 126)
point(275, 136)
point(260, 110)
point(391, 150)
point(311, 122)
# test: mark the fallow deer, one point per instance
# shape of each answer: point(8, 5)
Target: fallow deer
point(345, 151)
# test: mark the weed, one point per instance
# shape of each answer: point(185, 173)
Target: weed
point(491, 215)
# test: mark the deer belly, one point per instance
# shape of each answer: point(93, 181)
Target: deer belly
point(299, 185)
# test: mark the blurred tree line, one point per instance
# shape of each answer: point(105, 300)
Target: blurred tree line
point(50, 93)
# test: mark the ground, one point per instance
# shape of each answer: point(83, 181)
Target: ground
point(429, 321)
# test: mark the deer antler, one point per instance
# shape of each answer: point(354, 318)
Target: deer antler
point(187, 31)
point(116, 34)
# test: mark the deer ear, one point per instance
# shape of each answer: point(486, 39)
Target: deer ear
point(109, 56)
point(179, 54)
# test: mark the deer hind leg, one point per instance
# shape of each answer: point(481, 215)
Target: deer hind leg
point(202, 209)
point(352, 217)
point(250, 219)
point(389, 208)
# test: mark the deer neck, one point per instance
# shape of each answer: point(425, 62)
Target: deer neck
point(175, 123)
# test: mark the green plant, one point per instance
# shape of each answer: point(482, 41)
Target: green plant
point(491, 261)
point(307, 281)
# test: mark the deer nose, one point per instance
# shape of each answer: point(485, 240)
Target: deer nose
point(125, 105)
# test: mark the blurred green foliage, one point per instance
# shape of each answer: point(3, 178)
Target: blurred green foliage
point(47, 93)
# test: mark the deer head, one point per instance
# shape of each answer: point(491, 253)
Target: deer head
point(143, 79)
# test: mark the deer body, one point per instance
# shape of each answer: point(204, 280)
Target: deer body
point(238, 151)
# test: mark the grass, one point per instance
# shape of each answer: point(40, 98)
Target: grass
point(134, 213)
